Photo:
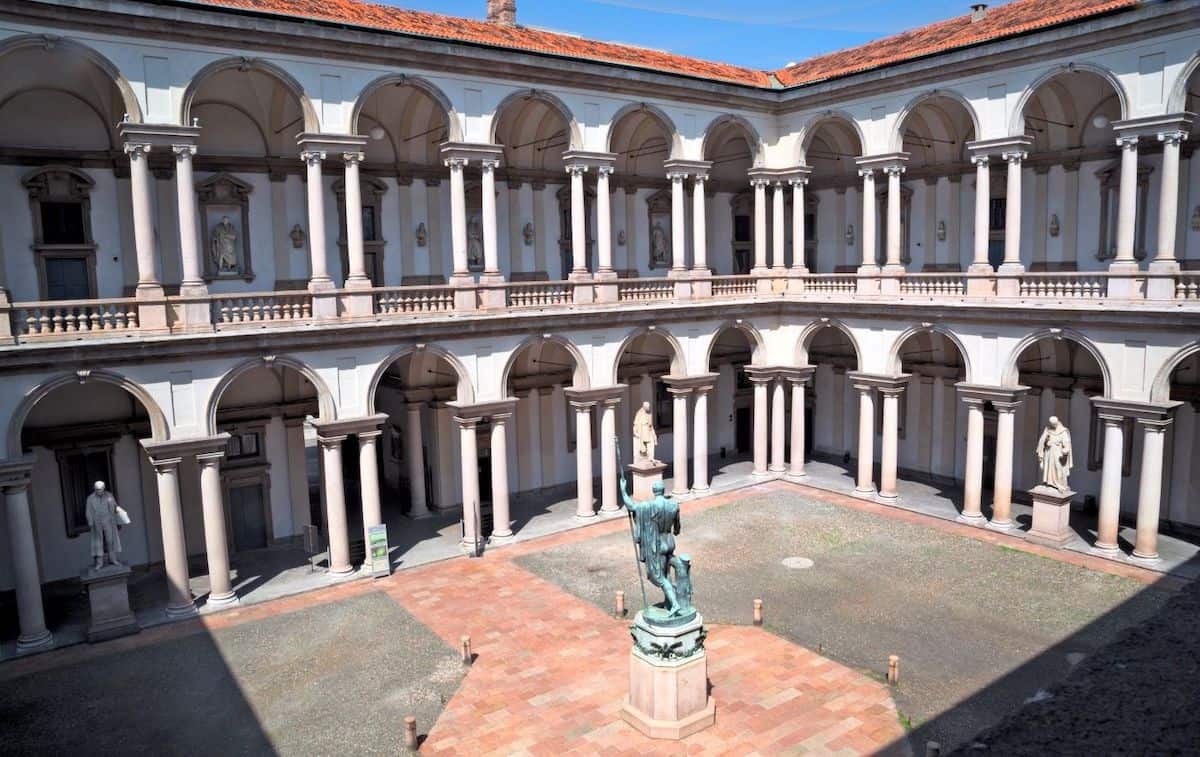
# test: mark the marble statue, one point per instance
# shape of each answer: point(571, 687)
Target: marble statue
point(527, 232)
point(104, 518)
point(1054, 454)
point(224, 246)
point(644, 436)
point(475, 242)
point(655, 523)
point(658, 245)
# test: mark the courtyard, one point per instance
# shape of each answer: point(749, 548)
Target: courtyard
point(983, 623)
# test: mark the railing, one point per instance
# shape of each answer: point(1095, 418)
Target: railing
point(831, 283)
point(643, 290)
point(409, 300)
point(1187, 286)
point(1064, 286)
point(733, 286)
point(934, 284)
point(537, 294)
point(69, 318)
point(261, 308)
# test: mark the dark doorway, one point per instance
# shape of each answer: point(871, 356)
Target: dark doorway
point(247, 517)
point(743, 429)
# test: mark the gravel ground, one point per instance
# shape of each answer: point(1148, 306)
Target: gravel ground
point(979, 628)
point(1137, 696)
point(330, 679)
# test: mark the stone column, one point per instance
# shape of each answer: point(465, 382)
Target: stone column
point(761, 424)
point(189, 240)
point(798, 264)
point(1150, 485)
point(678, 223)
point(319, 279)
point(894, 236)
point(1164, 261)
point(778, 426)
point(1127, 204)
point(175, 558)
point(972, 511)
point(335, 505)
point(458, 219)
point(368, 479)
point(867, 266)
point(148, 285)
point(583, 458)
point(491, 255)
point(610, 502)
point(603, 221)
point(983, 186)
point(1110, 484)
point(578, 221)
point(777, 236)
point(889, 451)
point(355, 257)
point(33, 636)
point(1002, 487)
point(212, 499)
point(865, 484)
point(760, 224)
point(501, 517)
point(469, 460)
point(679, 439)
point(414, 455)
point(1012, 214)
point(796, 468)
point(700, 441)
point(699, 226)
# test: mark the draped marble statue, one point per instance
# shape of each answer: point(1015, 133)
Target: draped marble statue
point(1054, 454)
point(104, 517)
point(224, 247)
point(644, 436)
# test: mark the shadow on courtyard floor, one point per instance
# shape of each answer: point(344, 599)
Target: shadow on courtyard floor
point(1134, 695)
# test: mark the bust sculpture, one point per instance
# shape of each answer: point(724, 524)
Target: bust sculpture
point(224, 246)
point(1054, 454)
point(655, 525)
point(644, 436)
point(104, 518)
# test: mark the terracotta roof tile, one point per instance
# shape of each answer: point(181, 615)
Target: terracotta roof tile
point(1001, 21)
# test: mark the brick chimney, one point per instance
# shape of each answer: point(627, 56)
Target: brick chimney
point(502, 12)
point(978, 12)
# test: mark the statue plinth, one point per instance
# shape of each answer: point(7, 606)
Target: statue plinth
point(646, 473)
point(668, 676)
point(1051, 516)
point(108, 594)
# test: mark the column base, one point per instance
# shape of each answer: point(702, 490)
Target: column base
point(1127, 284)
point(701, 491)
point(465, 297)
point(761, 474)
point(221, 601)
point(868, 494)
point(42, 642)
point(1112, 552)
point(1147, 561)
point(796, 476)
point(492, 295)
point(605, 289)
point(496, 538)
point(320, 284)
point(358, 282)
point(183, 611)
point(359, 303)
point(1161, 285)
point(610, 512)
point(868, 280)
point(1006, 526)
point(889, 498)
point(972, 519)
point(347, 570)
point(585, 516)
point(776, 468)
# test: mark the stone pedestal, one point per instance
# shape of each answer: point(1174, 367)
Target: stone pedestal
point(108, 594)
point(1051, 516)
point(668, 678)
point(645, 475)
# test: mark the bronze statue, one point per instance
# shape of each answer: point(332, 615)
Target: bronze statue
point(655, 523)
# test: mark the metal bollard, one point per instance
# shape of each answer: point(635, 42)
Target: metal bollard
point(620, 612)
point(410, 733)
point(933, 749)
point(758, 612)
point(466, 650)
point(893, 674)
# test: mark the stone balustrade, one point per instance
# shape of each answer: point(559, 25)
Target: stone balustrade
point(124, 317)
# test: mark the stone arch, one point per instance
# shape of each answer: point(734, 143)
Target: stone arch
point(133, 108)
point(579, 377)
point(551, 101)
point(897, 138)
point(752, 134)
point(159, 427)
point(757, 344)
point(893, 359)
point(806, 336)
point(656, 112)
point(810, 127)
point(327, 407)
point(1011, 373)
point(311, 122)
point(1177, 100)
point(678, 356)
point(1016, 123)
point(466, 390)
point(453, 118)
point(1160, 390)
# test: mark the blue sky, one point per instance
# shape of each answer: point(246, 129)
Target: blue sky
point(756, 33)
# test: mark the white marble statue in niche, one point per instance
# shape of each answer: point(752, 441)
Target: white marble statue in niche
point(1054, 454)
point(224, 238)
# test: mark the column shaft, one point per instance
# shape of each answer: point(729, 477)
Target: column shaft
point(893, 218)
point(1002, 487)
point(189, 244)
point(469, 466)
point(678, 223)
point(1012, 211)
point(27, 581)
point(1127, 200)
point(889, 450)
point(355, 256)
point(760, 224)
point(220, 591)
point(865, 486)
point(700, 441)
point(583, 461)
point(1110, 484)
point(368, 479)
point(501, 517)
point(335, 506)
point(679, 439)
point(796, 469)
point(1168, 198)
point(777, 235)
point(982, 210)
point(699, 226)
point(458, 217)
point(319, 273)
point(175, 558)
point(603, 220)
point(578, 222)
point(1150, 491)
point(491, 255)
point(972, 511)
point(609, 501)
point(761, 424)
point(868, 219)
point(143, 216)
point(414, 455)
point(778, 427)
point(798, 263)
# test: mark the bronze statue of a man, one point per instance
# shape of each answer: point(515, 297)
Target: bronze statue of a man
point(102, 519)
point(656, 522)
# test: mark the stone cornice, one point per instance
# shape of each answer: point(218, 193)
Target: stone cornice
point(1151, 126)
point(348, 426)
point(471, 152)
point(480, 410)
point(984, 393)
point(589, 159)
point(995, 148)
point(158, 135)
point(699, 381)
point(167, 450)
point(1144, 412)
point(876, 381)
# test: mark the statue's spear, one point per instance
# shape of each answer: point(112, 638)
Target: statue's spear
point(637, 548)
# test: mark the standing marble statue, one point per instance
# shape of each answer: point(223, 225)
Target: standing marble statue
point(224, 246)
point(1054, 454)
point(644, 436)
point(104, 519)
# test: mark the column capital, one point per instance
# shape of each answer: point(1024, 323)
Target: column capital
point(592, 396)
point(354, 157)
point(469, 151)
point(866, 172)
point(343, 427)
point(798, 176)
point(801, 374)
point(137, 150)
point(312, 157)
point(489, 165)
point(480, 411)
point(162, 452)
point(16, 474)
point(677, 176)
point(977, 394)
point(997, 147)
point(1127, 141)
point(183, 151)
point(587, 159)
point(701, 382)
point(1148, 413)
point(763, 374)
point(576, 169)
point(890, 162)
point(888, 384)
point(1173, 137)
point(686, 167)
point(979, 159)
point(1014, 156)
